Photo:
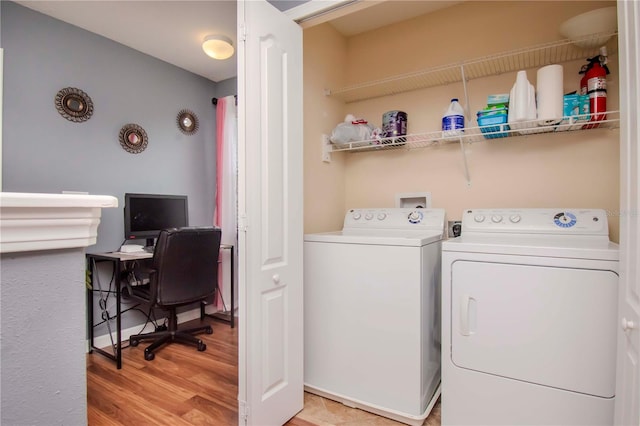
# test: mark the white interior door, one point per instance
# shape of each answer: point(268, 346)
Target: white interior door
point(627, 408)
point(1, 85)
point(270, 214)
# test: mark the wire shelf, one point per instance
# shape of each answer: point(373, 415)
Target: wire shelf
point(476, 134)
point(532, 57)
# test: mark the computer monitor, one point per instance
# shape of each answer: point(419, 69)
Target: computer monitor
point(145, 215)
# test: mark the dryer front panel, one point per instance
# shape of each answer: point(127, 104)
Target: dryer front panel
point(545, 325)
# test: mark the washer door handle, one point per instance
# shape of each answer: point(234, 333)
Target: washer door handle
point(467, 311)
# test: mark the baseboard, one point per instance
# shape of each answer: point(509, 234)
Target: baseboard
point(104, 341)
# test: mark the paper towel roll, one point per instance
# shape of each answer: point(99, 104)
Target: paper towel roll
point(549, 94)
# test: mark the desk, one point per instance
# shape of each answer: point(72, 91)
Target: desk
point(119, 260)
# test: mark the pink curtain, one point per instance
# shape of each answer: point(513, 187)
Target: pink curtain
point(226, 192)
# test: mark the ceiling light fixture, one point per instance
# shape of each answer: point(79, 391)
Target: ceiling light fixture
point(218, 46)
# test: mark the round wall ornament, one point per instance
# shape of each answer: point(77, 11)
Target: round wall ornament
point(133, 138)
point(187, 122)
point(74, 104)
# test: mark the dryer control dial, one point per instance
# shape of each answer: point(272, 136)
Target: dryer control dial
point(515, 218)
point(382, 216)
point(415, 216)
point(356, 215)
point(479, 218)
point(496, 218)
point(565, 219)
point(368, 216)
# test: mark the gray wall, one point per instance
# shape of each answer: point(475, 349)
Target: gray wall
point(43, 380)
point(283, 5)
point(43, 152)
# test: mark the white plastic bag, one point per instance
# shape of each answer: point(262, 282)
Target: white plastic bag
point(351, 130)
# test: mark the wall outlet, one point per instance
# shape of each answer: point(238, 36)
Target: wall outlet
point(455, 228)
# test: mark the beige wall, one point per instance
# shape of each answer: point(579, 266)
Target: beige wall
point(574, 169)
point(325, 54)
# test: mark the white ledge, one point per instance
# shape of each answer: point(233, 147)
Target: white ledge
point(31, 222)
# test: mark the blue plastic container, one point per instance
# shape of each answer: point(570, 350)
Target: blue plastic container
point(490, 125)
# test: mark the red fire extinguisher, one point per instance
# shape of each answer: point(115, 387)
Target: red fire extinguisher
point(596, 82)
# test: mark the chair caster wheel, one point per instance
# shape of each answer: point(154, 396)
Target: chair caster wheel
point(149, 356)
point(133, 342)
point(202, 346)
point(209, 330)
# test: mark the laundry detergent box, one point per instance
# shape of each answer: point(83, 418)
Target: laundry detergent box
point(575, 112)
point(500, 99)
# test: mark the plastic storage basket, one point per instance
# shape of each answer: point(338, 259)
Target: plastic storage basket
point(493, 126)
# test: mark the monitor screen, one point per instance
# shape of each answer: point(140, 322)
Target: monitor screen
point(145, 215)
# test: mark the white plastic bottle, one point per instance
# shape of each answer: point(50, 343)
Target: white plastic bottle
point(453, 120)
point(522, 104)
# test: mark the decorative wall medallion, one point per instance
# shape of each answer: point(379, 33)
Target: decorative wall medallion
point(187, 122)
point(133, 138)
point(74, 104)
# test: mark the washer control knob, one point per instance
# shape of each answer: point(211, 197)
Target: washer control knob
point(496, 218)
point(479, 218)
point(515, 218)
point(382, 216)
point(415, 217)
point(368, 216)
point(357, 215)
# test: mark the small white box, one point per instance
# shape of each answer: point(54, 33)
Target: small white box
point(415, 200)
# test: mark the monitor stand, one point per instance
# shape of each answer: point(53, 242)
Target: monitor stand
point(150, 245)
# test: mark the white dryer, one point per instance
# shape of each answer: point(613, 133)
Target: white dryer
point(529, 301)
point(372, 312)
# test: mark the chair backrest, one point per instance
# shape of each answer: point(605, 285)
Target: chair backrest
point(186, 265)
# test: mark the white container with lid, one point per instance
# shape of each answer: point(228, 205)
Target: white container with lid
point(522, 105)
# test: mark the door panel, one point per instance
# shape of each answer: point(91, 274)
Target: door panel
point(544, 325)
point(270, 213)
point(273, 145)
point(627, 409)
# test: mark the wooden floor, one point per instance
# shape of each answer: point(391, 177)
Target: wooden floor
point(182, 386)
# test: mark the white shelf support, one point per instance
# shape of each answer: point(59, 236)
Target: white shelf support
point(467, 101)
point(464, 163)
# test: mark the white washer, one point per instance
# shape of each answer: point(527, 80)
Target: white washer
point(529, 302)
point(372, 312)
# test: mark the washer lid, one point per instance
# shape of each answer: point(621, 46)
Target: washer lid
point(574, 247)
point(376, 237)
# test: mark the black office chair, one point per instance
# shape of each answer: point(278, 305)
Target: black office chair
point(184, 270)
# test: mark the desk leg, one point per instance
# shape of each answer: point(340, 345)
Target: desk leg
point(116, 355)
point(90, 304)
point(224, 316)
point(118, 315)
point(232, 285)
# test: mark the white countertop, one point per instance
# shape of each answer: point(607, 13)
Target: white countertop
point(31, 221)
